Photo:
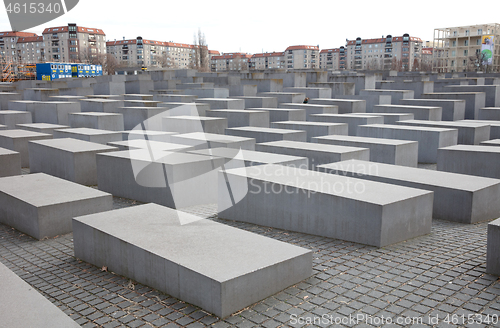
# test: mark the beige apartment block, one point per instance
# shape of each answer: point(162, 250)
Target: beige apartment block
point(268, 60)
point(8, 45)
point(458, 49)
point(302, 57)
point(333, 58)
point(235, 61)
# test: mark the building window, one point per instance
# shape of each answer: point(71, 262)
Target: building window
point(454, 43)
point(466, 52)
point(466, 42)
point(479, 31)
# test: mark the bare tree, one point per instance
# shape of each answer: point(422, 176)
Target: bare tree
point(239, 63)
point(478, 62)
point(111, 64)
point(416, 65)
point(200, 59)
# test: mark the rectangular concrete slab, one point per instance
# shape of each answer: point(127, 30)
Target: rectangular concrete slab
point(284, 97)
point(10, 163)
point(17, 140)
point(67, 158)
point(259, 102)
point(55, 112)
point(267, 134)
point(47, 128)
point(419, 112)
point(147, 135)
point(149, 144)
point(284, 114)
point(97, 120)
point(317, 154)
point(328, 205)
point(473, 160)
point(353, 121)
point(92, 135)
point(452, 109)
point(189, 124)
point(390, 118)
point(200, 140)
point(23, 306)
point(242, 117)
point(43, 206)
point(457, 197)
point(493, 248)
point(346, 106)
point(429, 139)
point(313, 108)
point(473, 100)
point(10, 118)
point(219, 268)
point(389, 151)
point(489, 113)
point(313, 129)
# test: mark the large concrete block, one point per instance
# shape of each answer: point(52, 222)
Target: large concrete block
point(418, 87)
point(346, 106)
point(338, 88)
point(371, 100)
point(284, 114)
point(87, 134)
point(7, 97)
point(452, 109)
point(247, 90)
point(97, 120)
point(267, 134)
point(100, 105)
point(328, 205)
point(472, 160)
point(109, 88)
point(175, 98)
point(313, 129)
point(138, 97)
point(23, 306)
point(285, 97)
point(55, 112)
point(66, 158)
point(493, 248)
point(494, 127)
point(396, 95)
point(200, 140)
point(457, 197)
point(10, 163)
point(23, 105)
point(17, 140)
point(237, 158)
point(149, 144)
point(311, 92)
point(188, 124)
point(265, 85)
point(360, 81)
point(429, 139)
point(141, 103)
point(39, 94)
point(10, 118)
point(492, 92)
point(139, 86)
point(67, 98)
point(195, 261)
point(191, 109)
point(41, 127)
point(242, 117)
point(198, 85)
point(353, 121)
point(161, 136)
point(259, 102)
point(419, 112)
point(173, 179)
point(469, 133)
point(473, 100)
point(223, 103)
point(489, 113)
point(208, 93)
point(43, 206)
point(389, 151)
point(390, 118)
point(316, 154)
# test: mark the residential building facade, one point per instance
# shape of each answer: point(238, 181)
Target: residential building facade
point(302, 57)
point(459, 49)
point(8, 45)
point(268, 60)
point(236, 61)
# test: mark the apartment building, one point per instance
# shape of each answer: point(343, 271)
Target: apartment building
point(236, 61)
point(30, 50)
point(8, 45)
point(334, 59)
point(268, 60)
point(400, 53)
point(302, 57)
point(73, 43)
point(459, 49)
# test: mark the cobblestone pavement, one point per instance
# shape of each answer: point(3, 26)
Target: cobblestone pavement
point(418, 281)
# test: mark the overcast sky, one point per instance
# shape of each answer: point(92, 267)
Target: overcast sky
point(254, 26)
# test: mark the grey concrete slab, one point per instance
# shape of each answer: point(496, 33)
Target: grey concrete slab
point(55, 112)
point(328, 205)
point(242, 117)
point(247, 90)
point(39, 94)
point(199, 85)
point(494, 142)
point(469, 133)
point(67, 158)
point(208, 93)
point(390, 118)
point(493, 248)
point(97, 120)
point(23, 105)
point(175, 98)
point(188, 124)
point(173, 179)
point(284, 114)
point(267, 134)
point(132, 96)
point(138, 86)
point(338, 88)
point(396, 95)
point(265, 85)
point(457, 197)
point(371, 100)
point(100, 105)
point(429, 139)
point(452, 109)
point(10, 163)
point(418, 87)
point(285, 97)
point(41, 127)
point(7, 97)
point(67, 98)
point(196, 259)
point(312, 108)
point(492, 92)
point(313, 129)
point(43, 206)
point(147, 135)
point(353, 121)
point(17, 140)
point(109, 88)
point(141, 103)
point(489, 113)
point(3, 127)
point(473, 160)
point(237, 158)
point(191, 109)
point(91, 135)
point(10, 118)
point(223, 103)
point(23, 306)
point(150, 145)
point(259, 102)
point(316, 153)
point(360, 81)
point(311, 92)
point(389, 151)
point(420, 112)
point(494, 127)
point(473, 100)
point(200, 140)
point(149, 116)
point(346, 106)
